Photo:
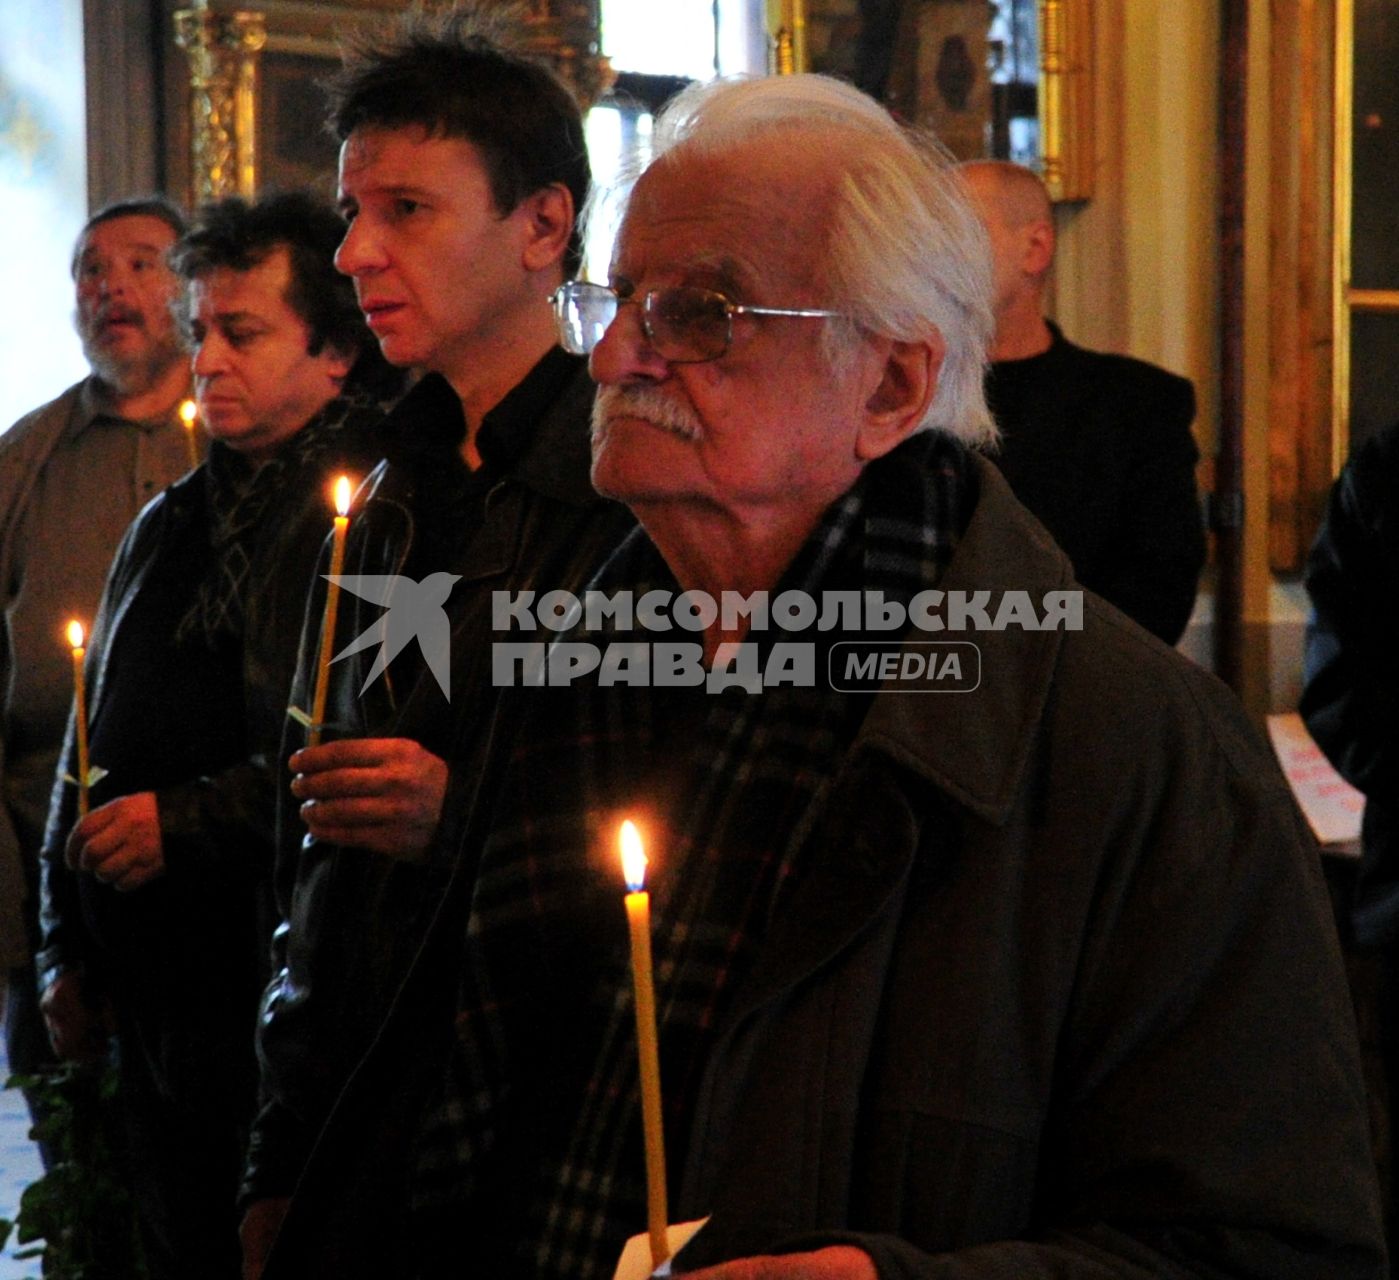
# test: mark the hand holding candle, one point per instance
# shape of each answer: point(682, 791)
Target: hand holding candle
point(638, 903)
point(189, 415)
point(332, 605)
point(76, 638)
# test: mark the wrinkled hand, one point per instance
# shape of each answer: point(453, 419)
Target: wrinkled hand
point(119, 842)
point(838, 1262)
point(258, 1230)
point(77, 1031)
point(381, 794)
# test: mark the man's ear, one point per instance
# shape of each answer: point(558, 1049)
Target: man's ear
point(1038, 246)
point(338, 363)
point(548, 217)
point(908, 382)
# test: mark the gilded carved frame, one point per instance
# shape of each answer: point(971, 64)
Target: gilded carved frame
point(821, 34)
point(254, 106)
point(1066, 97)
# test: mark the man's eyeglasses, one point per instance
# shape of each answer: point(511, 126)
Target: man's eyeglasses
point(683, 324)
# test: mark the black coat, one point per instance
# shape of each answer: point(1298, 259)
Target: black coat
point(1053, 998)
point(351, 919)
point(1098, 446)
point(1350, 698)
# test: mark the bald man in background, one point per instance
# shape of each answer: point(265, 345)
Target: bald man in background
point(1098, 446)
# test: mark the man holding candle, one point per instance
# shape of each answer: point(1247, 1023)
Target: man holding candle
point(73, 474)
point(1034, 978)
point(159, 900)
point(462, 167)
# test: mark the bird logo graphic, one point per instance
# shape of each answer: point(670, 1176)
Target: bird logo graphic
point(414, 610)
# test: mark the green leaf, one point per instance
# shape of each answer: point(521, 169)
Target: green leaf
point(95, 774)
point(301, 718)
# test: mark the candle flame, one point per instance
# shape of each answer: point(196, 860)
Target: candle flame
point(76, 635)
point(633, 857)
point(189, 411)
point(342, 496)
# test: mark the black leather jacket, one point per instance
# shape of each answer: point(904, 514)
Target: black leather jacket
point(216, 828)
point(351, 920)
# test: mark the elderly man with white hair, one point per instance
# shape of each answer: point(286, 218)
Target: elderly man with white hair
point(1018, 965)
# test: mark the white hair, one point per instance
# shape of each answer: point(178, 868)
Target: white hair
point(905, 251)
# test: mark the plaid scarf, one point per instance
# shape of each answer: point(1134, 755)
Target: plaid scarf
point(240, 496)
point(543, 1092)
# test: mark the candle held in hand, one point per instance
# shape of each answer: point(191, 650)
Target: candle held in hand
point(189, 415)
point(638, 903)
point(332, 605)
point(76, 637)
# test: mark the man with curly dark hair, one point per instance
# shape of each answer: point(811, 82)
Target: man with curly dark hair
point(156, 903)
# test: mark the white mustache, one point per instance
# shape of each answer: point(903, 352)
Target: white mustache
point(648, 404)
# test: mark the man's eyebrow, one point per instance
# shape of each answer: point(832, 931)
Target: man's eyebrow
point(139, 246)
point(724, 274)
point(394, 190)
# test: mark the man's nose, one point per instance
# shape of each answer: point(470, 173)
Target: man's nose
point(624, 353)
point(359, 252)
point(209, 357)
point(105, 283)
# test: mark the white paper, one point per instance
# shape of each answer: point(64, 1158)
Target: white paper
point(635, 1263)
point(1330, 804)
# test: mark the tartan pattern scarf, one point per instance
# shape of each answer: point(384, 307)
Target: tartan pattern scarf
point(240, 499)
point(728, 788)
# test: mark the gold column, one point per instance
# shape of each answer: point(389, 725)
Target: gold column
point(1066, 97)
point(1342, 210)
point(787, 41)
point(567, 34)
point(223, 49)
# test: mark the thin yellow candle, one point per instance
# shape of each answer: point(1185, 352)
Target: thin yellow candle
point(189, 415)
point(638, 903)
point(332, 606)
point(76, 638)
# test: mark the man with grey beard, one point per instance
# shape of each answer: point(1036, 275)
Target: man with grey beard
point(73, 475)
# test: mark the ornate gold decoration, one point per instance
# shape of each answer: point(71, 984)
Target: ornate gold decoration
point(1066, 97)
point(567, 34)
point(787, 41)
point(223, 51)
point(1341, 213)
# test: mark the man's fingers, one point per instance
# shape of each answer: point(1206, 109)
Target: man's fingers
point(98, 849)
point(340, 783)
point(91, 828)
point(349, 753)
point(114, 865)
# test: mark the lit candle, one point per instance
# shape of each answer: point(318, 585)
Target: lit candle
point(638, 903)
point(332, 605)
point(75, 641)
point(189, 415)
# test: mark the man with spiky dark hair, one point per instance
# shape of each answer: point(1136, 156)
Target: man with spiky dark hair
point(462, 168)
point(156, 904)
